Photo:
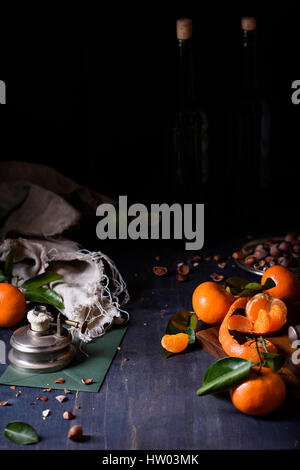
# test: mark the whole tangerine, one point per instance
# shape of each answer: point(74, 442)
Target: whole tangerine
point(287, 284)
point(211, 302)
point(12, 305)
point(260, 394)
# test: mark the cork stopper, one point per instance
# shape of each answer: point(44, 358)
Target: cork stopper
point(184, 28)
point(248, 23)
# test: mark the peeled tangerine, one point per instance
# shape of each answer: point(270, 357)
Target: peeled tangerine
point(246, 325)
point(264, 315)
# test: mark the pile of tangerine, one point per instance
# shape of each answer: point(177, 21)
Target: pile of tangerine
point(265, 313)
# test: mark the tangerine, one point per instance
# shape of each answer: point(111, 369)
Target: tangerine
point(211, 302)
point(260, 394)
point(175, 343)
point(12, 305)
point(264, 315)
point(287, 284)
point(230, 345)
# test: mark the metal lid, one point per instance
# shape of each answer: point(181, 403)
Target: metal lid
point(28, 341)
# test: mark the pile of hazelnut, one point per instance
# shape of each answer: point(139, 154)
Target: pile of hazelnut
point(285, 252)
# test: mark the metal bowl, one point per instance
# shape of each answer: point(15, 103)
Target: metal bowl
point(251, 245)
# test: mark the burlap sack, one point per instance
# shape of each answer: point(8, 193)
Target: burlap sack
point(39, 204)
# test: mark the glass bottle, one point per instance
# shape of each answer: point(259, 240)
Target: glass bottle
point(187, 128)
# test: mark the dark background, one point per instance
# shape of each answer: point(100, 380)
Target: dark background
point(89, 97)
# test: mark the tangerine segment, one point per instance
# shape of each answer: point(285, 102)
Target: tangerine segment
point(259, 394)
point(240, 323)
point(211, 302)
point(287, 284)
point(175, 343)
point(255, 304)
point(267, 313)
point(12, 305)
point(229, 343)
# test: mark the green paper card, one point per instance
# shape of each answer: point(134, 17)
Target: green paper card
point(101, 352)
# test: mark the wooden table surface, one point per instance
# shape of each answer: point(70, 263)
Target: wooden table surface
point(148, 402)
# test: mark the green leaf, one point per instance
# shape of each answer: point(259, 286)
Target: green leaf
point(224, 373)
point(253, 285)
point(41, 280)
point(2, 277)
point(21, 433)
point(167, 353)
point(248, 292)
point(44, 295)
point(191, 334)
point(274, 361)
point(8, 266)
point(250, 289)
point(180, 321)
point(268, 284)
point(253, 288)
point(235, 285)
point(236, 282)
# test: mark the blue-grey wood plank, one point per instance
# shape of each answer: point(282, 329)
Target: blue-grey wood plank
point(147, 402)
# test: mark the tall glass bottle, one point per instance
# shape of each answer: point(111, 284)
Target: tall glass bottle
point(249, 149)
point(187, 162)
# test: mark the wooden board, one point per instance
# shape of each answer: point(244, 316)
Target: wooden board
point(209, 340)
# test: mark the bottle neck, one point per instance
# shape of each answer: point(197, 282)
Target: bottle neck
point(249, 61)
point(185, 72)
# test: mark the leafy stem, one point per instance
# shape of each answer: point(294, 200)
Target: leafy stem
point(241, 287)
point(227, 372)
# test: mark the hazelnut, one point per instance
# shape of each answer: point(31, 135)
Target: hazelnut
point(87, 381)
point(238, 255)
point(75, 432)
point(160, 270)
point(296, 248)
point(270, 260)
point(284, 261)
point(260, 254)
point(284, 246)
point(274, 251)
point(260, 246)
point(61, 398)
point(250, 260)
point(290, 236)
point(217, 277)
point(68, 415)
point(258, 267)
point(183, 269)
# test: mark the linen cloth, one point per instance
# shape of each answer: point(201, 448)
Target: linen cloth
point(92, 287)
